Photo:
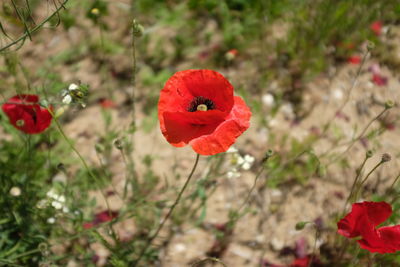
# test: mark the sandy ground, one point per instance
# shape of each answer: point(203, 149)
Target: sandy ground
point(264, 232)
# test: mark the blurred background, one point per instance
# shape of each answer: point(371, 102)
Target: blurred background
point(317, 75)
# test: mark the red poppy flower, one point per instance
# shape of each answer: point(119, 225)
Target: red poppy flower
point(376, 27)
point(197, 107)
point(354, 60)
point(25, 114)
point(363, 220)
point(379, 79)
point(107, 103)
point(101, 217)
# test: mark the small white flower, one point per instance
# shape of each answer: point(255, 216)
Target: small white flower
point(233, 173)
point(268, 100)
point(15, 191)
point(65, 210)
point(57, 205)
point(246, 162)
point(338, 94)
point(41, 204)
point(67, 99)
point(72, 87)
point(51, 220)
point(287, 110)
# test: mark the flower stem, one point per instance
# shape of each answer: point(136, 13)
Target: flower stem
point(171, 209)
point(366, 178)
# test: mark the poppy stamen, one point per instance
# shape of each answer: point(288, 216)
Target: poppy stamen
point(200, 103)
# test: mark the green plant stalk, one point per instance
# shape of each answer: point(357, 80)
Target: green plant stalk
point(360, 135)
point(366, 178)
point(86, 166)
point(354, 184)
point(35, 29)
point(172, 208)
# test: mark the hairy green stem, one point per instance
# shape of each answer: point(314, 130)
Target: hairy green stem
point(171, 209)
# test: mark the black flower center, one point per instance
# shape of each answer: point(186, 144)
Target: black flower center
point(201, 103)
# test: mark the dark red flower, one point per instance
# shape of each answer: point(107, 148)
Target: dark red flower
point(101, 217)
point(300, 262)
point(354, 60)
point(197, 107)
point(376, 27)
point(107, 103)
point(379, 79)
point(363, 220)
point(25, 114)
point(105, 216)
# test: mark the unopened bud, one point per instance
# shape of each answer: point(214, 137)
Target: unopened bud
point(300, 225)
point(118, 144)
point(389, 104)
point(137, 29)
point(369, 154)
point(370, 45)
point(386, 157)
point(268, 154)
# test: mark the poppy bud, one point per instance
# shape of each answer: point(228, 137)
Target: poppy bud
point(268, 154)
point(369, 154)
point(300, 225)
point(389, 104)
point(386, 157)
point(137, 29)
point(118, 144)
point(370, 45)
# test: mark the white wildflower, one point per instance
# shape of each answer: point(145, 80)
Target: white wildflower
point(51, 220)
point(246, 162)
point(268, 100)
point(72, 87)
point(15, 191)
point(233, 173)
point(67, 99)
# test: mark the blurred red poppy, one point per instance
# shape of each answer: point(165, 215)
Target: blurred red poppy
point(107, 103)
point(354, 60)
point(101, 217)
point(379, 79)
point(25, 114)
point(363, 220)
point(376, 27)
point(197, 107)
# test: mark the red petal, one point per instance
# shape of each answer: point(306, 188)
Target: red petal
point(363, 215)
point(24, 107)
point(181, 127)
point(226, 133)
point(183, 86)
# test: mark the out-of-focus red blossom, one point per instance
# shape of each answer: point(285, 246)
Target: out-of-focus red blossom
point(363, 220)
point(231, 54)
point(197, 107)
point(25, 114)
point(101, 217)
point(300, 262)
point(354, 60)
point(107, 103)
point(376, 27)
point(379, 79)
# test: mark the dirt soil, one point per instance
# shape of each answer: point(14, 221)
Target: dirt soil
point(262, 233)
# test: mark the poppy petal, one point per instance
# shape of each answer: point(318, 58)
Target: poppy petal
point(226, 133)
point(181, 127)
point(365, 214)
